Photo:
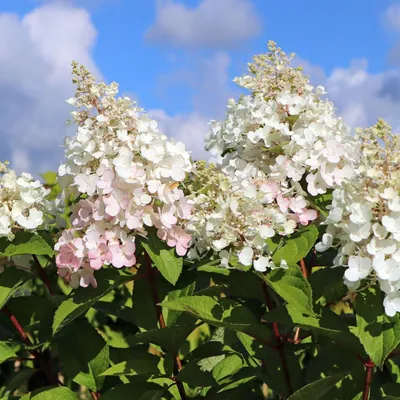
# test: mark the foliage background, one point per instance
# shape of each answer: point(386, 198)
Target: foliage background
point(170, 329)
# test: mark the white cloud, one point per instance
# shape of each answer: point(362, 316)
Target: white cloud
point(213, 23)
point(360, 96)
point(209, 79)
point(188, 128)
point(391, 20)
point(392, 17)
point(35, 79)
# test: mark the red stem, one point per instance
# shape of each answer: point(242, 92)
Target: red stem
point(20, 329)
point(52, 378)
point(95, 395)
point(279, 342)
point(156, 300)
point(369, 369)
point(303, 268)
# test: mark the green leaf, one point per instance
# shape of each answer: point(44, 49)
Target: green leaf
point(317, 390)
point(272, 366)
point(35, 314)
point(328, 325)
point(27, 243)
point(6, 352)
point(137, 360)
point(222, 313)
point(391, 391)
point(144, 311)
point(163, 257)
point(240, 284)
point(60, 393)
point(50, 177)
point(170, 338)
point(249, 345)
point(291, 285)
point(229, 366)
point(80, 300)
point(296, 247)
point(328, 293)
point(136, 389)
point(17, 380)
point(393, 365)
point(275, 149)
point(210, 371)
point(123, 312)
point(332, 360)
point(378, 333)
point(212, 269)
point(185, 287)
point(321, 202)
point(84, 354)
point(11, 279)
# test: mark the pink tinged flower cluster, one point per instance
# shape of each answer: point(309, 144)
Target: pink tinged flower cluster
point(279, 145)
point(236, 222)
point(129, 175)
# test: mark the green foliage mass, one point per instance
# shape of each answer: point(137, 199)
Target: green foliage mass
point(171, 329)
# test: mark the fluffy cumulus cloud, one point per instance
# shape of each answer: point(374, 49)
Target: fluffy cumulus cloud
point(35, 79)
point(361, 97)
point(391, 20)
point(392, 17)
point(208, 78)
point(212, 24)
point(187, 128)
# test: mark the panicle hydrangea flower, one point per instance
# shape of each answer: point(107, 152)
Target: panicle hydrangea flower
point(234, 222)
point(283, 131)
point(277, 147)
point(22, 202)
point(364, 218)
point(127, 175)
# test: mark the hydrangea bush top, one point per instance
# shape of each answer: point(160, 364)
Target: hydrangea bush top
point(277, 148)
point(127, 174)
point(364, 218)
point(274, 274)
point(282, 132)
point(22, 202)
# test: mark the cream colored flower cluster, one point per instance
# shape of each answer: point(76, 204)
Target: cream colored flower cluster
point(22, 202)
point(127, 174)
point(283, 132)
point(364, 219)
point(277, 148)
point(234, 224)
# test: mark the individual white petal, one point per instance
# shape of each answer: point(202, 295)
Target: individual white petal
point(261, 264)
point(246, 256)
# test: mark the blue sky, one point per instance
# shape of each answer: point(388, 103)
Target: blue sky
point(178, 58)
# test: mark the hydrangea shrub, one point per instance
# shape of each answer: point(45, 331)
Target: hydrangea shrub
point(273, 273)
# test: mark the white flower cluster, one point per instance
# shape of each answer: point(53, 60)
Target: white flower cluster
point(276, 148)
point(233, 223)
point(22, 202)
point(364, 218)
point(127, 174)
point(283, 131)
